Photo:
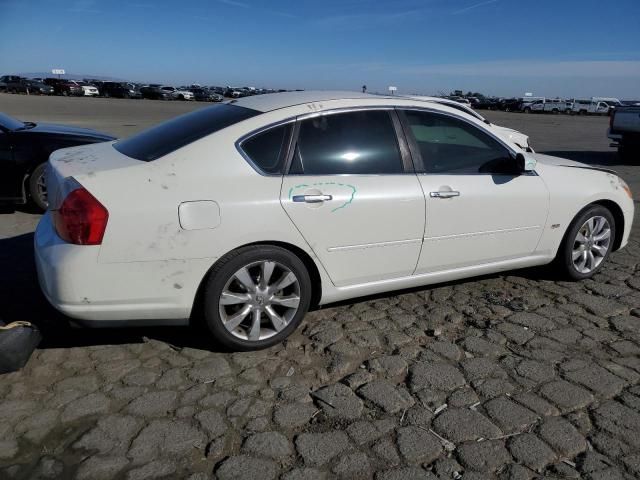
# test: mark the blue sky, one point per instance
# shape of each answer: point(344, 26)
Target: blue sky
point(501, 47)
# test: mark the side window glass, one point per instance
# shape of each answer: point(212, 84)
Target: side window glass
point(267, 149)
point(450, 145)
point(362, 142)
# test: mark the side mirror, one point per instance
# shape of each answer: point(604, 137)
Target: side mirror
point(525, 163)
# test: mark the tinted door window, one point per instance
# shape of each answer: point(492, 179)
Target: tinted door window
point(362, 142)
point(267, 149)
point(450, 145)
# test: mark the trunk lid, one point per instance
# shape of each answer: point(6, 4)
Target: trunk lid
point(68, 166)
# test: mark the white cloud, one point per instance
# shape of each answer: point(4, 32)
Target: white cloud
point(473, 7)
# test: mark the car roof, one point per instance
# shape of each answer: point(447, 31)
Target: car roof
point(276, 101)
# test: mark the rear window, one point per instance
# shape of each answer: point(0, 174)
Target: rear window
point(174, 134)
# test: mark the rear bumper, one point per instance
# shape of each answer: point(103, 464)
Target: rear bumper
point(116, 294)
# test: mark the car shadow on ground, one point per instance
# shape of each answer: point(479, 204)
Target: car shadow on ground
point(22, 299)
point(607, 159)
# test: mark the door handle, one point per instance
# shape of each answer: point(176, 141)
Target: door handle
point(444, 194)
point(312, 198)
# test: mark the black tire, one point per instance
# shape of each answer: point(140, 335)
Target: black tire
point(527, 110)
point(564, 261)
point(37, 194)
point(224, 271)
point(627, 155)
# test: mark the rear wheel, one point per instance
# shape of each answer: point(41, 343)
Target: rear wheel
point(527, 110)
point(38, 187)
point(256, 297)
point(587, 243)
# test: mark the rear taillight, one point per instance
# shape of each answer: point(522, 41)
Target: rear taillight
point(81, 219)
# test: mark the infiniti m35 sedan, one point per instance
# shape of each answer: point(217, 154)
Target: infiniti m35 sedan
point(254, 211)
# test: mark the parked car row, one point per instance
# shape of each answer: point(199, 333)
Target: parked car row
point(15, 84)
point(590, 106)
point(95, 88)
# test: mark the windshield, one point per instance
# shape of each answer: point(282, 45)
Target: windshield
point(174, 134)
point(10, 123)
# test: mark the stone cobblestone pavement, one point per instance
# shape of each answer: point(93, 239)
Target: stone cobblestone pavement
point(512, 376)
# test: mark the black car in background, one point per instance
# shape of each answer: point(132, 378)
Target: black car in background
point(155, 92)
point(15, 84)
point(11, 83)
point(119, 90)
point(487, 104)
point(64, 87)
point(39, 88)
point(510, 104)
point(204, 95)
point(24, 150)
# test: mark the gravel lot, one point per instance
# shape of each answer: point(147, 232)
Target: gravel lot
point(511, 376)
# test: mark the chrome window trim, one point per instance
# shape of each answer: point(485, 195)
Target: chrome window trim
point(298, 118)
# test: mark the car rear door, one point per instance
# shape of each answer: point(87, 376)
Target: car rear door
point(479, 208)
point(352, 193)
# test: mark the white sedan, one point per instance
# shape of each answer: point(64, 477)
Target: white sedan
point(254, 211)
point(87, 89)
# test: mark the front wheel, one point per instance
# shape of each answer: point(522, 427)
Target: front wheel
point(587, 243)
point(38, 187)
point(256, 297)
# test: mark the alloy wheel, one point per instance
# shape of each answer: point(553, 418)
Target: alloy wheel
point(591, 244)
point(259, 300)
point(41, 188)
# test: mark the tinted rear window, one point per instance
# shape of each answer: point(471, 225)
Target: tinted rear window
point(174, 134)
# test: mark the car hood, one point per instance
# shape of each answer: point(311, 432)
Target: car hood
point(511, 135)
point(563, 162)
point(69, 130)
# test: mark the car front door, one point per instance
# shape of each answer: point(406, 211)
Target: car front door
point(480, 209)
point(353, 194)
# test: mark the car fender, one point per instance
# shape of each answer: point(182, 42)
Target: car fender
point(572, 189)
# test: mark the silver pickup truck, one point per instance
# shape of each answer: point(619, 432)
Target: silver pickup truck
point(624, 130)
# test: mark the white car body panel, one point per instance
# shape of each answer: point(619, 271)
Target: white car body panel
point(483, 224)
point(150, 267)
point(511, 136)
point(351, 246)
